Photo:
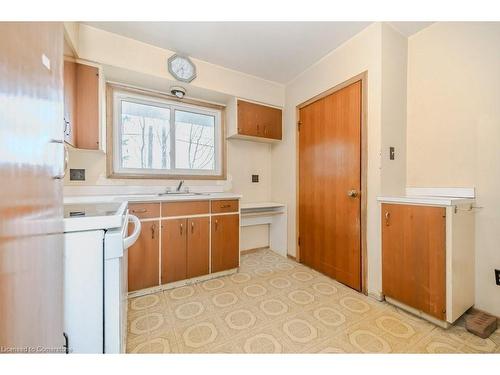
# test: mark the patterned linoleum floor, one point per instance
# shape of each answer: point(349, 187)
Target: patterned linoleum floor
point(275, 305)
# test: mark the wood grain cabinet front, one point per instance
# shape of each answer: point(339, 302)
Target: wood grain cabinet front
point(257, 120)
point(185, 248)
point(143, 257)
point(225, 239)
point(81, 105)
point(414, 256)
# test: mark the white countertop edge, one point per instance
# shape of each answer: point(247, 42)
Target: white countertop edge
point(426, 200)
point(148, 198)
point(78, 224)
point(258, 205)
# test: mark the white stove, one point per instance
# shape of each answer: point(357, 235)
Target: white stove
point(95, 281)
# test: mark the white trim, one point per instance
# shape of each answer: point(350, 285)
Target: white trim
point(180, 283)
point(421, 314)
point(172, 106)
point(458, 192)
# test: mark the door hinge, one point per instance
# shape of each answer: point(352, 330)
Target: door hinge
point(298, 125)
point(298, 240)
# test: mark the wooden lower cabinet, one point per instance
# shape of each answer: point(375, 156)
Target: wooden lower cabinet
point(185, 249)
point(143, 257)
point(173, 250)
point(225, 242)
point(198, 244)
point(414, 256)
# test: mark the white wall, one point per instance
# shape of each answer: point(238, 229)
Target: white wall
point(144, 64)
point(454, 128)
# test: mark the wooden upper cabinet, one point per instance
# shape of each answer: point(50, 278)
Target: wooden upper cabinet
point(258, 121)
point(69, 102)
point(87, 108)
point(143, 257)
point(225, 242)
point(173, 250)
point(414, 256)
point(81, 105)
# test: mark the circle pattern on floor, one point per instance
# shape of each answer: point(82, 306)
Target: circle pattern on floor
point(189, 310)
point(182, 292)
point(355, 305)
point(368, 342)
point(254, 290)
point(300, 330)
point(200, 334)
point(213, 284)
point(240, 319)
point(280, 282)
point(324, 288)
point(329, 316)
point(144, 302)
point(224, 299)
point(273, 307)
point(262, 343)
point(301, 297)
point(395, 327)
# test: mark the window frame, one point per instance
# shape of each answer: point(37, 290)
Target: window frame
point(117, 93)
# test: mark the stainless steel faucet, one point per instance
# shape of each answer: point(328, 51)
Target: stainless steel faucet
point(180, 185)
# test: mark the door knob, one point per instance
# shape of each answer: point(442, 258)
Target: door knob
point(352, 193)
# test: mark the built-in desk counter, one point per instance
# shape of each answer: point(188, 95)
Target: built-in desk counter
point(272, 213)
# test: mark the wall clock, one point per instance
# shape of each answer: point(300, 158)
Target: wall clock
point(182, 68)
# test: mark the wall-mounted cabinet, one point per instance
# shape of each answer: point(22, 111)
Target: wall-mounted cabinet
point(83, 83)
point(254, 121)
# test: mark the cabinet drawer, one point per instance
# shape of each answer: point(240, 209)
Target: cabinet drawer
point(184, 208)
point(145, 210)
point(228, 205)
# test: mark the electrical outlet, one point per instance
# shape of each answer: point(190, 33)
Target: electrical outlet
point(77, 174)
point(255, 178)
point(497, 277)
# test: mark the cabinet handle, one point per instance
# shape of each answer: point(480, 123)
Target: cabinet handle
point(140, 211)
point(216, 224)
point(153, 231)
point(387, 217)
point(192, 227)
point(225, 206)
point(182, 228)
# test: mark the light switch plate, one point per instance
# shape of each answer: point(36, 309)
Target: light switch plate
point(255, 178)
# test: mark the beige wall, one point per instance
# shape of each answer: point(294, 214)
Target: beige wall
point(144, 64)
point(454, 128)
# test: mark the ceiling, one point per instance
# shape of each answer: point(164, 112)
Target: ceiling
point(276, 51)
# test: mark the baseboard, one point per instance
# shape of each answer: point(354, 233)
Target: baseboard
point(440, 323)
point(377, 296)
point(249, 251)
point(291, 257)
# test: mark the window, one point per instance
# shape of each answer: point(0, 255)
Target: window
point(155, 137)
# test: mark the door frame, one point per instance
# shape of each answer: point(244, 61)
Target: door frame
point(363, 77)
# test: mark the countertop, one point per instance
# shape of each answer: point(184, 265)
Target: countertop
point(149, 198)
point(426, 200)
point(108, 220)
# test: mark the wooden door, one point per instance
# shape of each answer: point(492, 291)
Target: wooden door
point(87, 110)
point(225, 242)
point(414, 256)
point(143, 257)
point(173, 250)
point(31, 167)
point(198, 244)
point(330, 185)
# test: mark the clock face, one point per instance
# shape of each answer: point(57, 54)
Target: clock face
point(181, 68)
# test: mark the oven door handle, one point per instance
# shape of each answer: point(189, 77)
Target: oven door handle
point(130, 240)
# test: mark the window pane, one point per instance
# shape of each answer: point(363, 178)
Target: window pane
point(194, 141)
point(145, 136)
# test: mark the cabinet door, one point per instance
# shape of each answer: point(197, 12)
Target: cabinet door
point(414, 256)
point(270, 121)
point(173, 250)
point(197, 246)
point(225, 242)
point(247, 119)
point(143, 257)
point(87, 111)
point(69, 102)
